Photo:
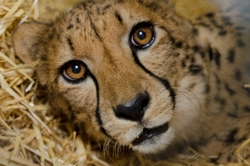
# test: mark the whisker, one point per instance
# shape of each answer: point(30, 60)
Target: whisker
point(191, 97)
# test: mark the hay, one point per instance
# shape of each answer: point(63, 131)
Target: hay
point(247, 85)
point(201, 7)
point(29, 134)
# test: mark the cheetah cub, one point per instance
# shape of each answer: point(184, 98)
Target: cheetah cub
point(134, 72)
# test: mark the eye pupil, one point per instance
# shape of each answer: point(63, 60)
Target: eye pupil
point(141, 35)
point(76, 68)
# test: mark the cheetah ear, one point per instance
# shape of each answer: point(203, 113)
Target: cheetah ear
point(26, 39)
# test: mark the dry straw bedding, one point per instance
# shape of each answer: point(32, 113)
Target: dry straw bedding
point(29, 135)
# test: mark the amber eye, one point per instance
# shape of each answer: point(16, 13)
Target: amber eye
point(142, 36)
point(74, 71)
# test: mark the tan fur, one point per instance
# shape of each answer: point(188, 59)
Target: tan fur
point(193, 58)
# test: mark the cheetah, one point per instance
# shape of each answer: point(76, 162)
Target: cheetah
point(136, 73)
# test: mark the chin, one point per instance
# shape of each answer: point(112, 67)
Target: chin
point(156, 144)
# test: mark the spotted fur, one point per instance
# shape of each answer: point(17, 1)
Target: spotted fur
point(184, 90)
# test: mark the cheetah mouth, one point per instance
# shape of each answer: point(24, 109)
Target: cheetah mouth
point(150, 133)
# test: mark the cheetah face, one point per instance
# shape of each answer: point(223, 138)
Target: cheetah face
point(113, 66)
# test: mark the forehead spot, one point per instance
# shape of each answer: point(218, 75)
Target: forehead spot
point(118, 17)
point(70, 26)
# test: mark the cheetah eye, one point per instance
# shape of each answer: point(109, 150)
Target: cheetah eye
point(142, 36)
point(74, 71)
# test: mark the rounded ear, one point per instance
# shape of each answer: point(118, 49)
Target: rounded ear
point(26, 39)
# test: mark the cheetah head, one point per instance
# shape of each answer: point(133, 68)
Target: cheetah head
point(114, 66)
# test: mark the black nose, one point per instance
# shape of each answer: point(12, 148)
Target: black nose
point(135, 109)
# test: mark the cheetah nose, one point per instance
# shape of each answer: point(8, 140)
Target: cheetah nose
point(135, 109)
